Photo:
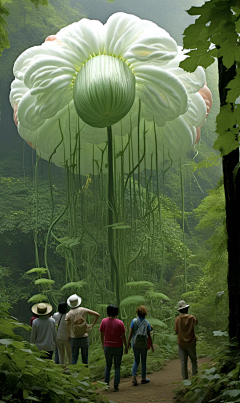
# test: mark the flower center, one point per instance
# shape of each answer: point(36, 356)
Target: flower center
point(104, 91)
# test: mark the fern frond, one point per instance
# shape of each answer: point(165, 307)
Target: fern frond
point(74, 284)
point(132, 300)
point(38, 298)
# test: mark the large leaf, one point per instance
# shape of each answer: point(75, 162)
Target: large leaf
point(156, 322)
point(44, 281)
point(157, 295)
point(38, 298)
point(40, 270)
point(133, 300)
point(74, 284)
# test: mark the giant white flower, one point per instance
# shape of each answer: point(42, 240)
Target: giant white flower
point(91, 76)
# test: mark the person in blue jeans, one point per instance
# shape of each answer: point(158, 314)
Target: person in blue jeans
point(139, 353)
point(113, 337)
point(77, 328)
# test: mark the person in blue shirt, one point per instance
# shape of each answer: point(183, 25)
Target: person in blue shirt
point(140, 352)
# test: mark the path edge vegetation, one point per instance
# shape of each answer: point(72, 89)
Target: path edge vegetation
point(215, 35)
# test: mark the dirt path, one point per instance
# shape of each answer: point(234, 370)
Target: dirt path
point(160, 389)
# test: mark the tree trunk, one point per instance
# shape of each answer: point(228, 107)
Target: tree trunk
point(232, 197)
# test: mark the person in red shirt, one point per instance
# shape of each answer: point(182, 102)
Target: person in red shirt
point(113, 337)
point(184, 328)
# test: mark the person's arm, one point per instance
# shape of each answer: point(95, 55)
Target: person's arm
point(33, 335)
point(150, 338)
point(102, 339)
point(125, 342)
point(68, 325)
point(195, 321)
point(93, 313)
point(130, 337)
point(176, 329)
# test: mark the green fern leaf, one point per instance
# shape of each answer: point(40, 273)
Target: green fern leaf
point(74, 284)
point(156, 322)
point(38, 298)
point(44, 281)
point(132, 300)
point(157, 295)
point(40, 270)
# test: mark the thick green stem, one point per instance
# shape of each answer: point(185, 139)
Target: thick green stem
point(183, 229)
point(112, 214)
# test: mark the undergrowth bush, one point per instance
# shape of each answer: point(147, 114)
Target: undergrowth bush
point(26, 377)
point(218, 382)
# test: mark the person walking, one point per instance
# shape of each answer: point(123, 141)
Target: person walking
point(140, 330)
point(113, 337)
point(43, 332)
point(184, 328)
point(63, 338)
point(78, 328)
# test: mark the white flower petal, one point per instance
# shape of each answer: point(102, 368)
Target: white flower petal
point(18, 89)
point(84, 38)
point(162, 93)
point(196, 113)
point(26, 113)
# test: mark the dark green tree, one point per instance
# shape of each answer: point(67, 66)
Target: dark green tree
point(215, 34)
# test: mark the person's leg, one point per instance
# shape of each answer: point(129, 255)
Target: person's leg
point(75, 350)
point(183, 358)
point(84, 353)
point(144, 362)
point(108, 357)
point(117, 353)
point(136, 352)
point(56, 356)
point(61, 351)
point(193, 357)
point(67, 344)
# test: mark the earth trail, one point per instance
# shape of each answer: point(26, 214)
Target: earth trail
point(160, 389)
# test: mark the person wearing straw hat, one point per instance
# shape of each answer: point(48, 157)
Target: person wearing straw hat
point(78, 328)
point(43, 332)
point(184, 328)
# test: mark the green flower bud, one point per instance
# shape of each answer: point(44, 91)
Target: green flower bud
point(104, 91)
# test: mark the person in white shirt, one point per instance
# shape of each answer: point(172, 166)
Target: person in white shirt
point(43, 332)
point(63, 339)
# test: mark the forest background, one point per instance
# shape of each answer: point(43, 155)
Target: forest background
point(178, 254)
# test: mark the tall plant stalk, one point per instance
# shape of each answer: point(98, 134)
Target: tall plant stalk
point(183, 226)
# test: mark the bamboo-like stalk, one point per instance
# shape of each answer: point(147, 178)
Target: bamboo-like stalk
point(183, 226)
point(112, 215)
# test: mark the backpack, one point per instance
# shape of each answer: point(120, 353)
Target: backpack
point(140, 338)
point(80, 326)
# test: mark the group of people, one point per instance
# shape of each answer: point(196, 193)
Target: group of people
point(67, 334)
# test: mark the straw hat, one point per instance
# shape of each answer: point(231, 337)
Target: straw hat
point(74, 301)
point(42, 309)
point(182, 305)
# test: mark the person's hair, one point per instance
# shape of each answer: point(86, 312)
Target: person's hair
point(112, 310)
point(62, 307)
point(141, 311)
point(184, 310)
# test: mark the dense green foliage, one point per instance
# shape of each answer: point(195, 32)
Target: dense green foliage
point(215, 34)
point(26, 376)
point(217, 382)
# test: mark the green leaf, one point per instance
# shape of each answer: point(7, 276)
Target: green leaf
point(231, 393)
point(234, 88)
point(198, 57)
point(6, 342)
point(74, 284)
point(37, 270)
point(186, 382)
point(38, 298)
point(227, 142)
point(220, 333)
point(122, 227)
point(157, 295)
point(44, 281)
point(156, 322)
point(133, 300)
point(25, 394)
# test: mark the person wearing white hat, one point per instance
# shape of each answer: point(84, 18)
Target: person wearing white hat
point(184, 328)
point(78, 328)
point(43, 332)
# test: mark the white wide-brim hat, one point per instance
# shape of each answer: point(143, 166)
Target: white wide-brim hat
point(182, 305)
point(42, 308)
point(74, 301)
